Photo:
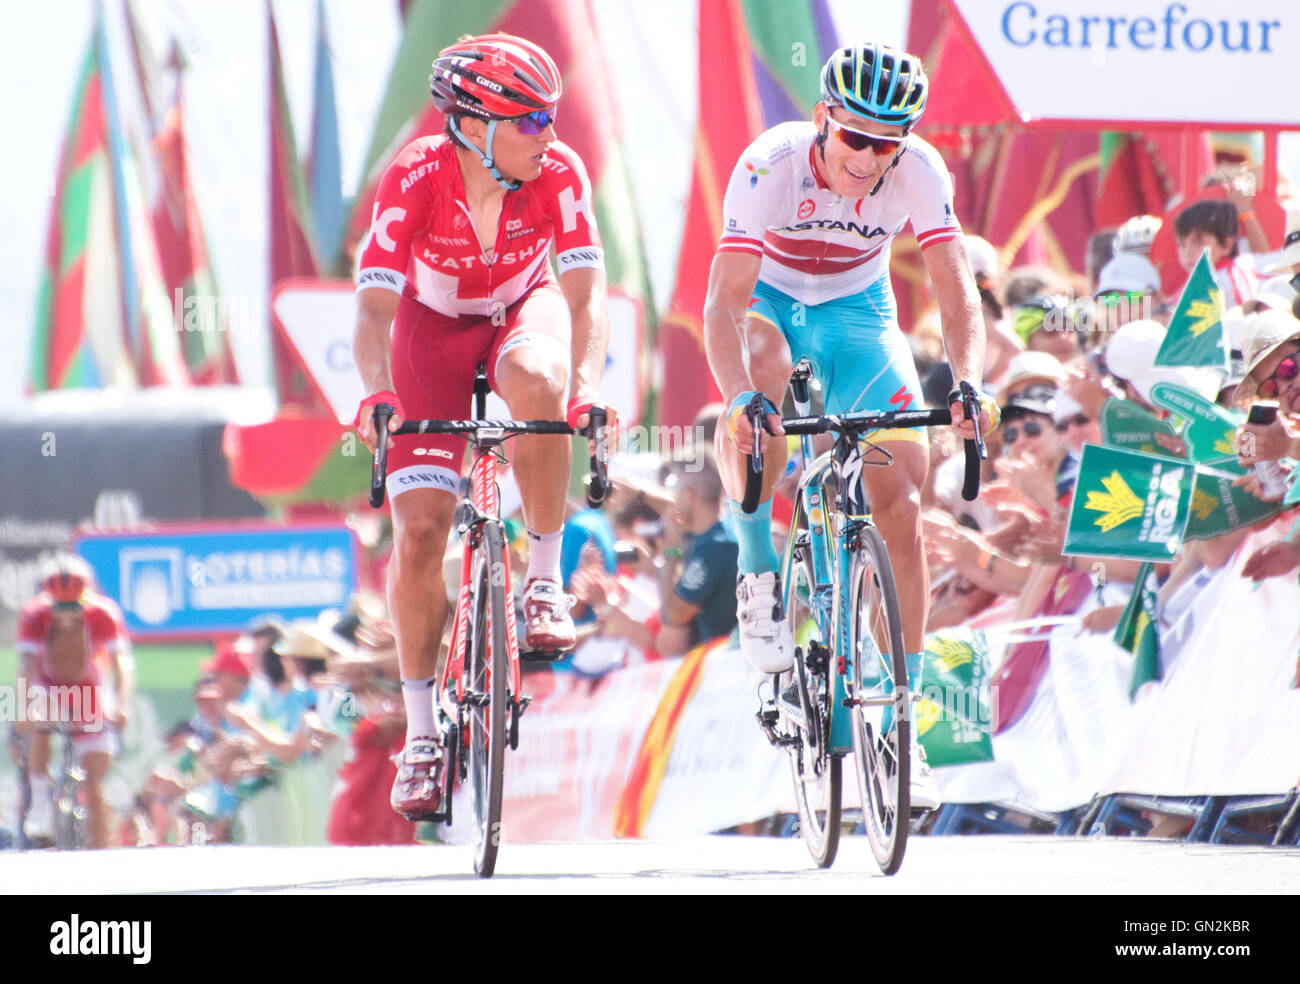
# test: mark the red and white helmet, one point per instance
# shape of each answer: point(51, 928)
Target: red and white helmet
point(495, 76)
point(66, 578)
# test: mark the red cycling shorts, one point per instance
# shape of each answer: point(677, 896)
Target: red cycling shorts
point(434, 357)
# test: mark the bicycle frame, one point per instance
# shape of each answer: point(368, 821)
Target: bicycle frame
point(484, 505)
point(834, 475)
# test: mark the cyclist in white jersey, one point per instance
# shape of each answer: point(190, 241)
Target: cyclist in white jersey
point(802, 271)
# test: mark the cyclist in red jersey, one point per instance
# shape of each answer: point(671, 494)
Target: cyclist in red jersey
point(458, 264)
point(70, 639)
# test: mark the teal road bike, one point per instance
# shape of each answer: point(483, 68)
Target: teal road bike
point(847, 693)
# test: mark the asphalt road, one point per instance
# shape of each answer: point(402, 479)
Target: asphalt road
point(985, 865)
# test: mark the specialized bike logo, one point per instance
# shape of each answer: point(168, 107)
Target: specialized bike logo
point(754, 173)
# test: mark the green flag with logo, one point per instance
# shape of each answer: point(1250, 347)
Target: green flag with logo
point(1218, 506)
point(1126, 425)
point(1128, 504)
point(1138, 630)
point(954, 717)
point(1211, 430)
point(1195, 336)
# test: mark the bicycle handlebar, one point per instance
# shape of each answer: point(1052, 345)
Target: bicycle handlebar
point(599, 482)
point(860, 421)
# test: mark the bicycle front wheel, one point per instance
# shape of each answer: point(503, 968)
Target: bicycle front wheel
point(816, 773)
point(486, 693)
point(877, 686)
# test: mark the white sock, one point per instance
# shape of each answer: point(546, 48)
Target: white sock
point(417, 695)
point(544, 554)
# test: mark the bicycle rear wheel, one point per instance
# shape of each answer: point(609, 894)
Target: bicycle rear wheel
point(881, 728)
point(486, 689)
point(817, 774)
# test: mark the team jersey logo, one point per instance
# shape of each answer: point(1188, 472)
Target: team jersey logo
point(382, 221)
point(754, 173)
point(806, 208)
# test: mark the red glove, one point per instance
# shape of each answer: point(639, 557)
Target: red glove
point(582, 404)
point(374, 399)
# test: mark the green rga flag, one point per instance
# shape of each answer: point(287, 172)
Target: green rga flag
point(1211, 430)
point(1129, 505)
point(1128, 426)
point(954, 718)
point(1138, 630)
point(1219, 507)
point(1195, 336)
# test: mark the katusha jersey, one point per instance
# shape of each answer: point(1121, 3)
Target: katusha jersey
point(104, 626)
point(422, 239)
point(817, 246)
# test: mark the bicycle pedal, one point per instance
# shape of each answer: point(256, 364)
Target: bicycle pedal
point(438, 816)
point(541, 655)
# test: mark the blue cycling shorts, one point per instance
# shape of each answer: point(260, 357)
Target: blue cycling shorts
point(856, 349)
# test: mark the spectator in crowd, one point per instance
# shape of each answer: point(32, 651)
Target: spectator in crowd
point(1022, 283)
point(698, 578)
point(1286, 262)
point(1135, 236)
point(1101, 247)
point(1076, 425)
point(1002, 342)
point(627, 604)
point(1048, 323)
point(1239, 182)
point(1128, 289)
point(1212, 225)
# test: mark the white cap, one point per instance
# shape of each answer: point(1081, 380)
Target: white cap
point(1290, 254)
point(1128, 272)
point(1066, 407)
point(1275, 293)
point(1030, 367)
point(1131, 355)
point(983, 257)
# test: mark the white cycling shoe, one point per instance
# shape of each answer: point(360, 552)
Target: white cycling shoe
point(924, 790)
point(765, 637)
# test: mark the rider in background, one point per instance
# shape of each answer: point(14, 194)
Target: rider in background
point(802, 270)
point(457, 265)
point(70, 640)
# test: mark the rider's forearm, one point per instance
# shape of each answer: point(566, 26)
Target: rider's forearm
point(584, 289)
point(963, 341)
point(370, 347)
point(959, 309)
point(724, 345)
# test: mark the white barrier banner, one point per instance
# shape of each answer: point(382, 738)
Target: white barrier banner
point(1222, 722)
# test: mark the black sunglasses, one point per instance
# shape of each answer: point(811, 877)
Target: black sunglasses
point(1011, 433)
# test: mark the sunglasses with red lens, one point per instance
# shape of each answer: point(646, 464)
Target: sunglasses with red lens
point(531, 124)
point(1286, 369)
point(857, 140)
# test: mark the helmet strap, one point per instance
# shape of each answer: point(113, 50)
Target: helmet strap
point(485, 158)
point(892, 164)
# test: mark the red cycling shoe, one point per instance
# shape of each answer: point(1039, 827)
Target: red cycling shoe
point(547, 623)
point(417, 790)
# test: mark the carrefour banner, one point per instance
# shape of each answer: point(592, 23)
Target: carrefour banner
point(1128, 504)
point(200, 581)
point(1142, 60)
